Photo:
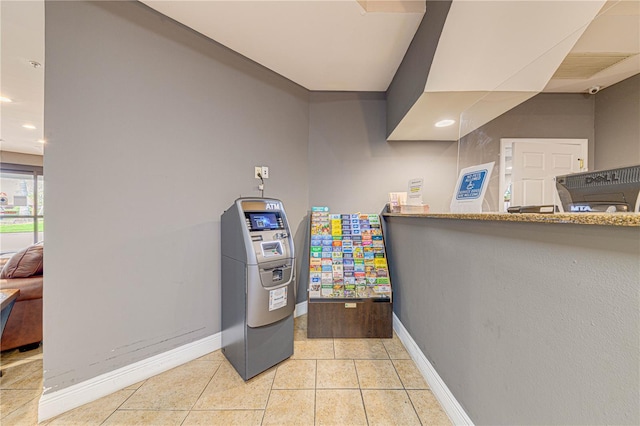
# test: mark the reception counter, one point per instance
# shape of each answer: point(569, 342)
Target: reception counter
point(607, 219)
point(527, 318)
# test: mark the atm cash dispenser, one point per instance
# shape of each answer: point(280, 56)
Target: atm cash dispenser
point(258, 285)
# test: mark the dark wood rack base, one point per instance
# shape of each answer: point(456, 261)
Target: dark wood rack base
point(345, 318)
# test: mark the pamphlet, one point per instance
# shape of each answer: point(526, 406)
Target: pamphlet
point(414, 197)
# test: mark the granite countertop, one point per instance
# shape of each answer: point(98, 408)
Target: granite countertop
point(609, 219)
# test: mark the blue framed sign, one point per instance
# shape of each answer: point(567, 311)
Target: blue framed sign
point(471, 185)
point(470, 188)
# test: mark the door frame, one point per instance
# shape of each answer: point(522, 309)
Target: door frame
point(506, 144)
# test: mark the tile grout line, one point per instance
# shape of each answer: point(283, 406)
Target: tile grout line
point(17, 408)
point(18, 361)
point(404, 388)
point(201, 393)
point(315, 394)
point(123, 402)
point(155, 409)
point(364, 407)
point(266, 405)
point(413, 406)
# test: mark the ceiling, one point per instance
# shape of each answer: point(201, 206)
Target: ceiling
point(321, 45)
point(357, 45)
point(21, 41)
point(511, 52)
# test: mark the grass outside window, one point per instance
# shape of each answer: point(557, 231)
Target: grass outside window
point(6, 228)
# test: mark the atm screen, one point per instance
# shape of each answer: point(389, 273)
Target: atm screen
point(262, 221)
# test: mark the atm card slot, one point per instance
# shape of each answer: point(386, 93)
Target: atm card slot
point(271, 248)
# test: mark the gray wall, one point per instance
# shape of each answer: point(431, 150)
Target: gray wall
point(411, 77)
point(352, 167)
point(617, 125)
point(526, 323)
point(153, 131)
point(547, 115)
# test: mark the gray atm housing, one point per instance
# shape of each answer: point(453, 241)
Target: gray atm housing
point(257, 268)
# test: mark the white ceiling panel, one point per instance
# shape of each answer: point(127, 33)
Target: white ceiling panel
point(485, 44)
point(321, 45)
point(616, 30)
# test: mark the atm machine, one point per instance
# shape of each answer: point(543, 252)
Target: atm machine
point(258, 285)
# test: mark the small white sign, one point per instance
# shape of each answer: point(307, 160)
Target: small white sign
point(277, 298)
point(414, 196)
point(470, 189)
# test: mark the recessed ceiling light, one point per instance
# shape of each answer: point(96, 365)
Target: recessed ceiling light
point(3, 99)
point(29, 126)
point(35, 64)
point(41, 141)
point(445, 123)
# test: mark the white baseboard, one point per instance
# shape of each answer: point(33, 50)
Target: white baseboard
point(301, 309)
point(55, 403)
point(440, 390)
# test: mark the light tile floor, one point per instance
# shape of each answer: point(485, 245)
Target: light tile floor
point(325, 382)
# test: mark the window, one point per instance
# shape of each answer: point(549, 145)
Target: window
point(21, 206)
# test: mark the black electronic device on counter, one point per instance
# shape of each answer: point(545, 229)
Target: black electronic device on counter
point(613, 190)
point(547, 209)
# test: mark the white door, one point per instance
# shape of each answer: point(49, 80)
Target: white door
point(535, 165)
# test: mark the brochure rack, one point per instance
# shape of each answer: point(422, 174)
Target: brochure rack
point(349, 284)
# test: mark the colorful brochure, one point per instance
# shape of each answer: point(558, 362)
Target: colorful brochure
point(347, 256)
